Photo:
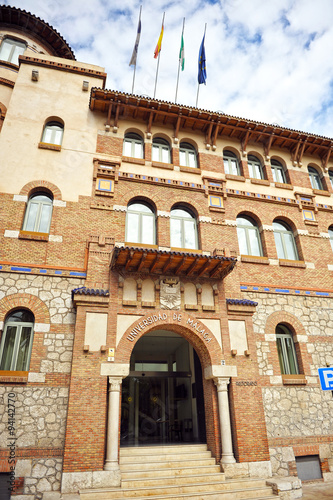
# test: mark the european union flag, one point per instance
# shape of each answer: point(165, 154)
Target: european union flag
point(202, 75)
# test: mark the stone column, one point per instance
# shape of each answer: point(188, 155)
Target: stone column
point(111, 462)
point(224, 416)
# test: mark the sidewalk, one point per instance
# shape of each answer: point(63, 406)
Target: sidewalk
point(317, 490)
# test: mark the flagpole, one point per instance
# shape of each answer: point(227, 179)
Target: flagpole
point(196, 104)
point(158, 61)
point(135, 61)
point(179, 61)
point(133, 79)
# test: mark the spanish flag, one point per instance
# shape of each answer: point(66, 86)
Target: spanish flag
point(159, 43)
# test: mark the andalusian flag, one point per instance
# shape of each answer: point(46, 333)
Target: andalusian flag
point(182, 54)
point(159, 43)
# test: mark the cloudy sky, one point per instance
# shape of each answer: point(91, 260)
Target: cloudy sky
point(267, 60)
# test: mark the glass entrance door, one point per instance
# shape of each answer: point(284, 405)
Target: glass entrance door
point(161, 399)
point(152, 407)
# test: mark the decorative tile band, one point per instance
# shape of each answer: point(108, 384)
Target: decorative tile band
point(281, 199)
point(265, 289)
point(41, 270)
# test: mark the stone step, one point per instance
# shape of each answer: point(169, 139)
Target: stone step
point(164, 449)
point(182, 479)
point(162, 457)
point(142, 466)
point(177, 472)
point(209, 495)
point(225, 490)
point(170, 472)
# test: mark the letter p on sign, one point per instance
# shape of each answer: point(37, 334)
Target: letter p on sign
point(326, 378)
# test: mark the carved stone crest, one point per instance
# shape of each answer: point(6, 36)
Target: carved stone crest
point(170, 294)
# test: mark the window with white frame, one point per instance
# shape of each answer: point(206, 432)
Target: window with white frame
point(248, 237)
point(255, 167)
point(133, 145)
point(53, 133)
point(183, 229)
point(330, 232)
point(161, 150)
point(140, 224)
point(11, 49)
point(38, 213)
point(278, 172)
point(315, 178)
point(284, 241)
point(286, 350)
point(16, 341)
point(231, 164)
point(187, 155)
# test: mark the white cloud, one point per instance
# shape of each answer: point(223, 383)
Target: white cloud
point(266, 60)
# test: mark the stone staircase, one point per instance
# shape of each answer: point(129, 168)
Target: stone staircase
point(179, 472)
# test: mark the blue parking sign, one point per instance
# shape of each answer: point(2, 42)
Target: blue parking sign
point(326, 378)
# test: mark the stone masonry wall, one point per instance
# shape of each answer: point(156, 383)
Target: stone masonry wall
point(53, 291)
point(41, 403)
point(40, 416)
point(298, 417)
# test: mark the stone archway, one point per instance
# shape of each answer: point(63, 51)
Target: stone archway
point(192, 329)
point(209, 352)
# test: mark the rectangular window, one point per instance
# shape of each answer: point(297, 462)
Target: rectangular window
point(148, 226)
point(189, 234)
point(279, 245)
point(255, 171)
point(127, 148)
point(192, 159)
point(241, 234)
point(287, 355)
point(176, 233)
point(133, 228)
point(10, 50)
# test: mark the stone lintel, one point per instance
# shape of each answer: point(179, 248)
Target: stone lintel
point(115, 370)
point(215, 371)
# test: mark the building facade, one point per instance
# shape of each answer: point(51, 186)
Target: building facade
point(165, 276)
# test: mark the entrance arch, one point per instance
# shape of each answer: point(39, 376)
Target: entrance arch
point(214, 373)
point(162, 398)
point(192, 329)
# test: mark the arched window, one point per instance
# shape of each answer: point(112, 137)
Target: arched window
point(10, 50)
point(133, 146)
point(38, 213)
point(255, 167)
point(187, 155)
point(278, 172)
point(183, 228)
point(330, 232)
point(16, 341)
point(161, 150)
point(284, 241)
point(286, 351)
point(248, 236)
point(140, 224)
point(315, 178)
point(53, 133)
point(230, 161)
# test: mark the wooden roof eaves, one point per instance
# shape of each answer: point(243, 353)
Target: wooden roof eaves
point(221, 265)
point(227, 124)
